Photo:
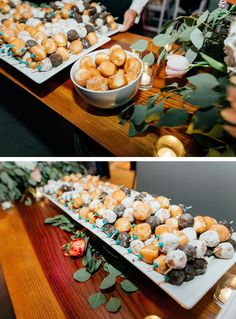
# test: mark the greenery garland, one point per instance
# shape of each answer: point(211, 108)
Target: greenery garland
point(19, 180)
point(200, 39)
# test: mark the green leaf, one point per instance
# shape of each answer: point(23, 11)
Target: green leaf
point(67, 228)
point(140, 45)
point(51, 220)
point(132, 130)
point(32, 182)
point(84, 262)
point(203, 18)
point(128, 286)
point(108, 282)
point(228, 153)
point(185, 34)
point(161, 54)
point(197, 38)
point(173, 117)
point(105, 267)
point(191, 55)
point(161, 40)
point(113, 271)
point(81, 275)
point(213, 15)
point(113, 304)
point(155, 113)
point(96, 300)
point(151, 101)
point(203, 97)
point(139, 114)
point(98, 264)
point(216, 131)
point(214, 64)
point(149, 58)
point(205, 119)
point(6, 179)
point(19, 172)
point(213, 153)
point(203, 80)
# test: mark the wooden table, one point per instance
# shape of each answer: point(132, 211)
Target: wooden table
point(101, 125)
point(40, 283)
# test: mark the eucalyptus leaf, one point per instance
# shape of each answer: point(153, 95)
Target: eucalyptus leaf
point(185, 34)
point(155, 113)
point(161, 40)
point(139, 114)
point(81, 275)
point(203, 81)
point(203, 97)
point(113, 304)
point(128, 286)
point(149, 58)
point(205, 119)
point(67, 228)
point(140, 45)
point(132, 130)
point(108, 282)
point(32, 181)
point(228, 153)
point(213, 15)
point(203, 17)
point(217, 131)
point(161, 54)
point(113, 271)
point(197, 38)
point(213, 153)
point(98, 264)
point(84, 262)
point(96, 300)
point(151, 101)
point(173, 118)
point(214, 64)
point(191, 55)
point(19, 172)
point(105, 267)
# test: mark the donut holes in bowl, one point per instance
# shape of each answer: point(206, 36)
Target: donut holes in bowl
point(106, 98)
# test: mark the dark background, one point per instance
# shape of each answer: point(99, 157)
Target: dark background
point(210, 187)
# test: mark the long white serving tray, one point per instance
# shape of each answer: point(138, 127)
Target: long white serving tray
point(189, 293)
point(40, 77)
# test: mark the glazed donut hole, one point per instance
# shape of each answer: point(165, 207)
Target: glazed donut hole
point(118, 57)
point(97, 83)
point(87, 61)
point(101, 57)
point(142, 231)
point(39, 52)
point(107, 68)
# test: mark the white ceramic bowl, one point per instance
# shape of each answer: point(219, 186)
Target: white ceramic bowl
point(108, 99)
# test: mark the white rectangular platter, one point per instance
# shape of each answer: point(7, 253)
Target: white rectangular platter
point(189, 293)
point(40, 77)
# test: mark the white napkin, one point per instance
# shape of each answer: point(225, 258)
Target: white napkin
point(229, 310)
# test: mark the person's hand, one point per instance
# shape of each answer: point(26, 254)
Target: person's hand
point(129, 18)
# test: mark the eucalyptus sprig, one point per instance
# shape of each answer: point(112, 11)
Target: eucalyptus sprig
point(17, 183)
point(200, 38)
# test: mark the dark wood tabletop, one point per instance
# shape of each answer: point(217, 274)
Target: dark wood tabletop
point(40, 278)
point(103, 126)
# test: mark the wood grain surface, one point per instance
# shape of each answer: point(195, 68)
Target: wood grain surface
point(103, 126)
point(40, 282)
